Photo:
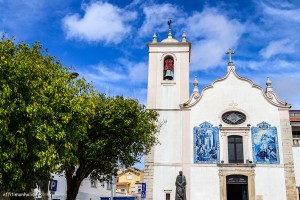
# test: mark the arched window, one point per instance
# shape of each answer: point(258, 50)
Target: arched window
point(235, 149)
point(168, 70)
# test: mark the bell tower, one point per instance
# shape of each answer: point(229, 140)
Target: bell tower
point(168, 72)
point(168, 87)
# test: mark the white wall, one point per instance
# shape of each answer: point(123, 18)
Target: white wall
point(296, 155)
point(86, 192)
point(170, 148)
point(164, 179)
point(270, 183)
point(204, 183)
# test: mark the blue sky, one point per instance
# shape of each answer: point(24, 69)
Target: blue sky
point(106, 40)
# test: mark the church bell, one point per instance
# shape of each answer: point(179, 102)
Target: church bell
point(169, 75)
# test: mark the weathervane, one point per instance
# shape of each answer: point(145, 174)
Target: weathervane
point(230, 52)
point(170, 22)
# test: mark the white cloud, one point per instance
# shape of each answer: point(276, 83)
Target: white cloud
point(137, 72)
point(287, 88)
point(102, 22)
point(283, 46)
point(212, 33)
point(215, 34)
point(156, 17)
point(289, 14)
point(271, 65)
point(124, 71)
point(110, 74)
point(120, 79)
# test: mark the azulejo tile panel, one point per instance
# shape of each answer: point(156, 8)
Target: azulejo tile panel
point(265, 144)
point(206, 143)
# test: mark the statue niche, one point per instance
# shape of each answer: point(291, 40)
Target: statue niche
point(168, 73)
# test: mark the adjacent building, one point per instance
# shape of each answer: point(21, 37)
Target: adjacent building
point(130, 182)
point(127, 184)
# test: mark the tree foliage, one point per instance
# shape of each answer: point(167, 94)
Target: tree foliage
point(36, 98)
point(119, 132)
point(50, 122)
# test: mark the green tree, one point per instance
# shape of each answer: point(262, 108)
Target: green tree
point(51, 123)
point(119, 132)
point(39, 101)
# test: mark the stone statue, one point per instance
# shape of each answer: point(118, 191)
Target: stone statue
point(180, 187)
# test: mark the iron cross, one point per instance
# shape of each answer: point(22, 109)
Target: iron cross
point(230, 52)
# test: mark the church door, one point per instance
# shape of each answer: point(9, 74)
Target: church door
point(237, 187)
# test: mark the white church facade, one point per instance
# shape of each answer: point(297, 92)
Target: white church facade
point(232, 140)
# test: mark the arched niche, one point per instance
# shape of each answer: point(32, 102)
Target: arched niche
point(168, 68)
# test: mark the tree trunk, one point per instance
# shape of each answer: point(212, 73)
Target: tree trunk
point(44, 190)
point(72, 189)
point(73, 182)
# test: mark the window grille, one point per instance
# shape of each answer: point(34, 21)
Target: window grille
point(234, 117)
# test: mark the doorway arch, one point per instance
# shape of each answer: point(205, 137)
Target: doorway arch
point(247, 170)
point(237, 187)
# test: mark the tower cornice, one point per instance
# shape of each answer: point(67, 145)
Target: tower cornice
point(159, 44)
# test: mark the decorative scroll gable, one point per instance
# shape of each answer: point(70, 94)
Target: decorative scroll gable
point(270, 96)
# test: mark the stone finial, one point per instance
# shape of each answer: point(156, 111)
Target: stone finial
point(195, 85)
point(230, 66)
point(170, 33)
point(154, 38)
point(183, 37)
point(269, 85)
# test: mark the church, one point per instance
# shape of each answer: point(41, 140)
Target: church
point(232, 140)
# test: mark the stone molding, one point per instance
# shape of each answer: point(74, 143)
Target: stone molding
point(232, 169)
point(287, 151)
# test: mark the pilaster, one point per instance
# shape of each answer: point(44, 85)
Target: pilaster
point(287, 144)
point(149, 173)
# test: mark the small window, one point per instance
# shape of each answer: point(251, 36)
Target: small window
point(168, 196)
point(108, 185)
point(93, 184)
point(296, 134)
point(132, 189)
point(235, 149)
